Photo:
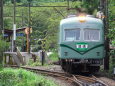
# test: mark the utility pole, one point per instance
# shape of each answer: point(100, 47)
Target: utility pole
point(28, 35)
point(1, 16)
point(104, 9)
point(14, 27)
point(107, 38)
point(23, 44)
point(1, 28)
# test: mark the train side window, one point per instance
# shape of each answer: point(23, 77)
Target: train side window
point(72, 34)
point(91, 34)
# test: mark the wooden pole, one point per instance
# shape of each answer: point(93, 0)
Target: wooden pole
point(1, 28)
point(14, 28)
point(28, 35)
point(1, 15)
point(107, 38)
point(43, 57)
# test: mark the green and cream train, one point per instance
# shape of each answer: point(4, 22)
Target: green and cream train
point(81, 43)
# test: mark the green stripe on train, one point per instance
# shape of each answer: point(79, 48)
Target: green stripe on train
point(81, 52)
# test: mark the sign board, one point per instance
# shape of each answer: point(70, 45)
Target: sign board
point(5, 35)
point(19, 34)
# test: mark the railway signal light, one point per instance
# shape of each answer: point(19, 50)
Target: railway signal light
point(27, 30)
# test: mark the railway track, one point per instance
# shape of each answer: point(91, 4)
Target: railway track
point(89, 81)
point(77, 80)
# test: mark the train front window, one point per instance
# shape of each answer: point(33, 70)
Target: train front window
point(72, 34)
point(91, 35)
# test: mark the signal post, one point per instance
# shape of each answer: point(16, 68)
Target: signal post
point(28, 31)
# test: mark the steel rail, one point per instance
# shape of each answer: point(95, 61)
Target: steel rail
point(37, 69)
point(89, 81)
point(80, 83)
point(99, 80)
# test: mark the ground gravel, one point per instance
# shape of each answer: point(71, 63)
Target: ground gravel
point(60, 82)
point(107, 81)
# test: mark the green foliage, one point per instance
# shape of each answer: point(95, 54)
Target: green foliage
point(32, 63)
point(112, 33)
point(86, 6)
point(3, 46)
point(20, 77)
point(54, 56)
point(37, 63)
point(112, 62)
point(45, 21)
point(112, 21)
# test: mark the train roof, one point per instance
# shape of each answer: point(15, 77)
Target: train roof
point(76, 19)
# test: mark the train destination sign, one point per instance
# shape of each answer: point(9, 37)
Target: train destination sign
point(81, 46)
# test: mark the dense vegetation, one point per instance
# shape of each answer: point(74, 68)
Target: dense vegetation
point(111, 34)
point(111, 6)
point(3, 46)
point(44, 20)
point(20, 77)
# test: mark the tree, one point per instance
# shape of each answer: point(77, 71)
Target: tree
point(112, 21)
point(87, 5)
point(3, 46)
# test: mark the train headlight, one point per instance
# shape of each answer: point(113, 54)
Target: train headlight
point(82, 19)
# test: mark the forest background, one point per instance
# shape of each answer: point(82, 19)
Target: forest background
point(45, 20)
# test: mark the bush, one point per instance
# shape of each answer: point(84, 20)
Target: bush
point(32, 63)
point(112, 61)
point(21, 77)
point(54, 56)
point(3, 46)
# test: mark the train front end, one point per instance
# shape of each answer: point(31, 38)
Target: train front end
point(81, 43)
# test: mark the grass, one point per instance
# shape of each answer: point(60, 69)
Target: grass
point(110, 72)
point(21, 77)
point(37, 63)
point(54, 56)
